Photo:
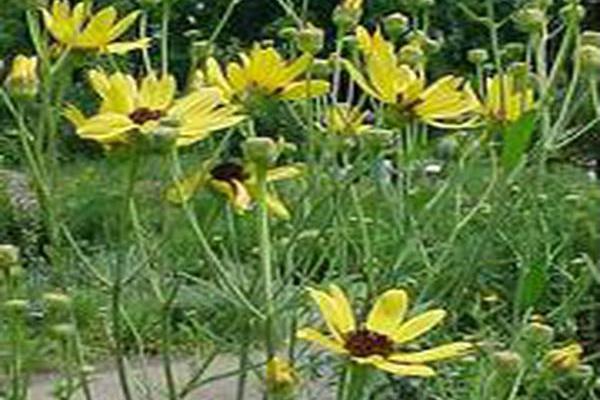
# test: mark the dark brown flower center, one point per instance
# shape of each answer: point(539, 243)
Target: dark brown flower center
point(144, 114)
point(365, 343)
point(229, 172)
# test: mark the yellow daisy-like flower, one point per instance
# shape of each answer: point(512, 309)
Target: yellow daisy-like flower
point(281, 377)
point(345, 120)
point(265, 72)
point(238, 183)
point(78, 28)
point(378, 341)
point(127, 108)
point(507, 107)
point(565, 358)
point(23, 77)
point(447, 103)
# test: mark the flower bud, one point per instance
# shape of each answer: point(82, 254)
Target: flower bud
point(531, 20)
point(411, 55)
point(539, 334)
point(573, 13)
point(63, 331)
point(57, 299)
point(261, 150)
point(16, 305)
point(478, 56)
point(590, 58)
point(9, 256)
point(23, 79)
point(321, 69)
point(395, 25)
point(345, 18)
point(288, 33)
point(513, 51)
point(281, 377)
point(311, 39)
point(565, 358)
point(591, 38)
point(508, 362)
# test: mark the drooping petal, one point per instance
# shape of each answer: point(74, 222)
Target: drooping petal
point(301, 90)
point(183, 190)
point(123, 25)
point(418, 325)
point(360, 79)
point(443, 352)
point(126, 47)
point(388, 312)
point(405, 370)
point(313, 335)
point(276, 207)
point(284, 173)
point(75, 116)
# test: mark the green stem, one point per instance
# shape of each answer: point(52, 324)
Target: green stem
point(594, 91)
point(166, 351)
point(164, 42)
point(219, 28)
point(357, 382)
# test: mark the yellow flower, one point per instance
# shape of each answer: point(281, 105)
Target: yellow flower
point(237, 182)
point(565, 358)
point(344, 119)
point(354, 5)
point(78, 28)
point(447, 103)
point(378, 341)
point(265, 72)
point(280, 376)
point(510, 106)
point(23, 77)
point(127, 108)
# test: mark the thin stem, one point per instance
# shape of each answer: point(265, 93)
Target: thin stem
point(593, 81)
point(219, 28)
point(143, 31)
point(164, 43)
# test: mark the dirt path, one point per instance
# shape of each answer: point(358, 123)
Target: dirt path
point(105, 383)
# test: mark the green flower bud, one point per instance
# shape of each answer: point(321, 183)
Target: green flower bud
point(591, 38)
point(520, 74)
point(261, 150)
point(288, 33)
point(395, 25)
point(531, 20)
point(478, 56)
point(63, 331)
point(513, 51)
point(57, 299)
point(16, 305)
point(345, 19)
point(22, 79)
point(573, 13)
point(590, 58)
point(311, 39)
point(539, 334)
point(321, 69)
point(9, 256)
point(543, 4)
point(507, 362)
point(411, 55)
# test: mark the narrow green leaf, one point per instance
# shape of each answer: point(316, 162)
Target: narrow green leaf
point(517, 138)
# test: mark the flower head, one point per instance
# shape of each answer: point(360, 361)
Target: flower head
point(505, 100)
point(377, 342)
point(23, 78)
point(237, 182)
point(128, 107)
point(265, 72)
point(355, 5)
point(281, 376)
point(565, 358)
point(345, 120)
point(78, 28)
point(447, 103)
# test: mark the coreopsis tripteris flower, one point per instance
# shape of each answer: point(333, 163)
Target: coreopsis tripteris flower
point(565, 358)
point(130, 108)
point(447, 103)
point(505, 101)
point(265, 72)
point(238, 183)
point(346, 120)
point(79, 28)
point(22, 78)
point(378, 341)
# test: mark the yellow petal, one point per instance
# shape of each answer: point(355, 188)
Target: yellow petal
point(295, 69)
point(360, 79)
point(237, 77)
point(418, 325)
point(215, 76)
point(106, 128)
point(335, 319)
point(126, 47)
point(283, 173)
point(123, 25)
point(276, 207)
point(346, 315)
point(388, 312)
point(404, 370)
point(75, 116)
point(157, 94)
point(97, 31)
point(235, 191)
point(183, 190)
point(305, 90)
point(443, 352)
point(313, 335)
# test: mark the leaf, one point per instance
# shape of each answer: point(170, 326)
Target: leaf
point(517, 138)
point(532, 285)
